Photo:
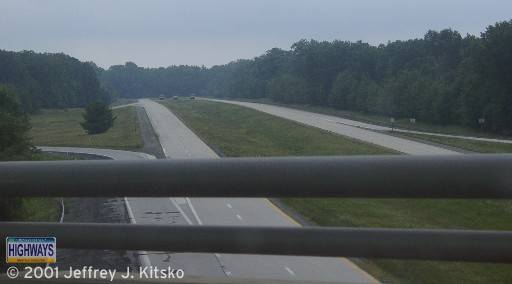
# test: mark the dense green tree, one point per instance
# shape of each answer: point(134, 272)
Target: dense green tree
point(98, 118)
point(50, 80)
point(132, 81)
point(344, 91)
point(14, 143)
point(442, 78)
point(14, 124)
point(288, 89)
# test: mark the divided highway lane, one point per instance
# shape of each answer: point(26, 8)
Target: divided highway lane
point(368, 126)
point(180, 142)
point(154, 211)
point(350, 128)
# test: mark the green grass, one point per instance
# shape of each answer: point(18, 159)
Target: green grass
point(122, 101)
point(384, 120)
point(242, 132)
point(465, 144)
point(38, 210)
point(35, 209)
point(238, 131)
point(62, 128)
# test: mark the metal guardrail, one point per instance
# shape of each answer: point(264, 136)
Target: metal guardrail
point(461, 176)
point(460, 245)
point(454, 176)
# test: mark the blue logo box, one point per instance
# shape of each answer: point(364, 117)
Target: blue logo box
point(31, 250)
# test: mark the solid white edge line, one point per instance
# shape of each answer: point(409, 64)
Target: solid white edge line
point(193, 211)
point(217, 255)
point(143, 255)
point(63, 209)
point(289, 270)
point(181, 211)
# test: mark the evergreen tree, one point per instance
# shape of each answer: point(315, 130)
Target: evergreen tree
point(98, 118)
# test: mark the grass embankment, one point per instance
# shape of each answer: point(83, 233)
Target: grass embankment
point(241, 132)
point(384, 120)
point(465, 144)
point(122, 101)
point(238, 131)
point(37, 210)
point(34, 209)
point(62, 128)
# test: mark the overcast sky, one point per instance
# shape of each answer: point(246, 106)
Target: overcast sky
point(208, 32)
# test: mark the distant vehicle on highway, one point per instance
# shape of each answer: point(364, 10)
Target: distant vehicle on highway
point(192, 97)
point(175, 97)
point(162, 97)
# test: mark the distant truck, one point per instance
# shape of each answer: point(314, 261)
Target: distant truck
point(162, 97)
point(175, 97)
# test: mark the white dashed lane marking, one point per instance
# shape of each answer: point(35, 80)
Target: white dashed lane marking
point(289, 270)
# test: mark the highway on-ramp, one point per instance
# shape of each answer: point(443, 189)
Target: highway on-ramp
point(179, 142)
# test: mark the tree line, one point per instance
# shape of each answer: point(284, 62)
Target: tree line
point(45, 80)
point(442, 78)
point(132, 81)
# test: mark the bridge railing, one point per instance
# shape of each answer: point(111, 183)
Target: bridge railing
point(454, 176)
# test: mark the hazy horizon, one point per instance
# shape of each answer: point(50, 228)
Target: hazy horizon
point(163, 33)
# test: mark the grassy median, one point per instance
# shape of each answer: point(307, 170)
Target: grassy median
point(238, 132)
point(242, 132)
point(385, 120)
point(62, 128)
point(465, 144)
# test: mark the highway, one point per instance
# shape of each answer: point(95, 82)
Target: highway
point(357, 130)
point(355, 123)
point(180, 142)
point(107, 153)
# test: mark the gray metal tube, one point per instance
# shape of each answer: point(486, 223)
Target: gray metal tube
point(455, 245)
point(454, 176)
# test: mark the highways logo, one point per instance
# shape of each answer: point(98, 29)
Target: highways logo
point(31, 250)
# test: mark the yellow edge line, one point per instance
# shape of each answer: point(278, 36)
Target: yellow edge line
point(370, 278)
point(283, 214)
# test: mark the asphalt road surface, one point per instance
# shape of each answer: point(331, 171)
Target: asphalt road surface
point(180, 142)
point(374, 127)
point(358, 130)
point(97, 210)
point(107, 153)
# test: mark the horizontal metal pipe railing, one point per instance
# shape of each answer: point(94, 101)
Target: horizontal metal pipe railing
point(454, 176)
point(455, 245)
